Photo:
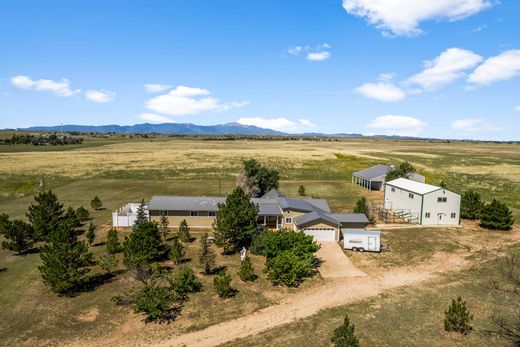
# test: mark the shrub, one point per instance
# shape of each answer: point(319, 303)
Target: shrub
point(156, 301)
point(344, 335)
point(176, 251)
point(247, 272)
point(184, 232)
point(301, 190)
point(457, 317)
point(222, 285)
point(96, 203)
point(269, 244)
point(186, 281)
point(471, 205)
point(496, 215)
point(361, 206)
point(113, 245)
point(288, 268)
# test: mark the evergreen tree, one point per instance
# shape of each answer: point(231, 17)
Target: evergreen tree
point(72, 217)
point(45, 215)
point(96, 203)
point(141, 247)
point(82, 214)
point(91, 233)
point(443, 185)
point(163, 226)
point(496, 215)
point(186, 281)
point(222, 285)
point(176, 251)
point(141, 214)
point(361, 206)
point(4, 223)
point(247, 272)
point(457, 317)
point(113, 245)
point(235, 221)
point(20, 235)
point(471, 205)
point(206, 254)
point(65, 260)
point(184, 231)
point(108, 262)
point(402, 170)
point(344, 335)
point(301, 190)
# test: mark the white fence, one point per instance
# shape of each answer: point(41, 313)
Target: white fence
point(126, 215)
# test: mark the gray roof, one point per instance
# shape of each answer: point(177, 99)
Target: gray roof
point(269, 209)
point(312, 217)
point(361, 232)
point(273, 194)
point(185, 203)
point(373, 172)
point(350, 217)
point(304, 205)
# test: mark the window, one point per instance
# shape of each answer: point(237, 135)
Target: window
point(212, 213)
point(410, 195)
point(427, 215)
point(442, 199)
point(164, 213)
point(194, 213)
point(453, 215)
point(288, 220)
point(393, 190)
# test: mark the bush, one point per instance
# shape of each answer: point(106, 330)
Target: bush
point(269, 244)
point(222, 285)
point(156, 301)
point(176, 251)
point(184, 232)
point(496, 215)
point(288, 268)
point(457, 317)
point(344, 335)
point(186, 281)
point(471, 205)
point(247, 272)
point(113, 245)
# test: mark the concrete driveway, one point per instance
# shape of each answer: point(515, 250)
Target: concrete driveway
point(334, 262)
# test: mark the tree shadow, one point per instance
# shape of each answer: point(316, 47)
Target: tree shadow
point(218, 270)
point(184, 260)
point(99, 244)
point(93, 282)
point(3, 269)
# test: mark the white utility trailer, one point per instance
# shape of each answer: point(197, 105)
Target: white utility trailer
point(362, 240)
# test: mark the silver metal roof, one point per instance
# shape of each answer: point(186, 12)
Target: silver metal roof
point(347, 232)
point(374, 172)
point(350, 217)
point(312, 217)
point(185, 203)
point(273, 194)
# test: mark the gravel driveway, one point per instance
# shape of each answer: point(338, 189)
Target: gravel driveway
point(334, 262)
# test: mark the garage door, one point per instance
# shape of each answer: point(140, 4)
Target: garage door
point(323, 234)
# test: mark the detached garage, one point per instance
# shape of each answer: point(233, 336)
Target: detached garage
point(320, 225)
point(362, 240)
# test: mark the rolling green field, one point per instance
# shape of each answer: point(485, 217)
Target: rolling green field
point(122, 170)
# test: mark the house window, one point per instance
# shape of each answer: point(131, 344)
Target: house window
point(288, 220)
point(212, 213)
point(393, 190)
point(442, 199)
point(427, 215)
point(194, 213)
point(410, 195)
point(164, 213)
point(453, 215)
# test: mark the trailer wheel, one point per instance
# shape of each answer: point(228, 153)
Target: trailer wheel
point(361, 249)
point(354, 249)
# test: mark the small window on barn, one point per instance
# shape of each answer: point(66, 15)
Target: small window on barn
point(212, 213)
point(427, 215)
point(164, 213)
point(410, 195)
point(453, 215)
point(442, 199)
point(194, 213)
point(288, 220)
point(393, 190)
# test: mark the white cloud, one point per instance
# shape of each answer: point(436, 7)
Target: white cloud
point(501, 67)
point(402, 17)
point(189, 101)
point(279, 124)
point(473, 125)
point(517, 108)
point(323, 45)
point(100, 96)
point(61, 88)
point(294, 50)
point(398, 125)
point(383, 91)
point(449, 66)
point(318, 56)
point(155, 118)
point(156, 88)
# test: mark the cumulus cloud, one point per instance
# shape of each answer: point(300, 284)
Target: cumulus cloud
point(446, 68)
point(473, 125)
point(319, 52)
point(185, 100)
point(398, 125)
point(501, 67)
point(156, 88)
point(403, 17)
point(100, 96)
point(383, 91)
point(295, 50)
point(155, 118)
point(60, 88)
point(318, 56)
point(279, 124)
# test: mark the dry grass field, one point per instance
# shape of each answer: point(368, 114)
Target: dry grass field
point(120, 171)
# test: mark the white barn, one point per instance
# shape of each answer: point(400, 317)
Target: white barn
point(422, 203)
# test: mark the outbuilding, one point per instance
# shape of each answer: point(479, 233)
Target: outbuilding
point(362, 240)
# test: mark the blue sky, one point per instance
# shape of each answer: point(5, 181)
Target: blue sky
point(446, 68)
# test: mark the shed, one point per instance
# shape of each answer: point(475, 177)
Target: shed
point(362, 240)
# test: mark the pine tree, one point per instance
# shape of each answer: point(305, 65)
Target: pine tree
point(301, 190)
point(72, 217)
point(20, 235)
point(142, 247)
point(184, 231)
point(222, 285)
point(471, 205)
point(108, 262)
point(65, 260)
point(247, 272)
point(496, 215)
point(91, 233)
point(176, 251)
point(96, 203)
point(457, 317)
point(361, 206)
point(113, 245)
point(141, 214)
point(4, 222)
point(45, 215)
point(344, 335)
point(163, 226)
point(82, 214)
point(206, 254)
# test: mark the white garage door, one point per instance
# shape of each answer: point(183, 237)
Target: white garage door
point(321, 234)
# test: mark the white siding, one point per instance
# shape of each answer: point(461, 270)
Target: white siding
point(441, 212)
point(399, 200)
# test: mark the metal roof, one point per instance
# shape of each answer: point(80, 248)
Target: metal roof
point(273, 194)
point(269, 209)
point(373, 172)
point(413, 186)
point(305, 205)
point(185, 203)
point(312, 217)
point(350, 217)
point(362, 232)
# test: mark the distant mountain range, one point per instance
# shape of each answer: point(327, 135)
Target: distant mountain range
point(173, 128)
